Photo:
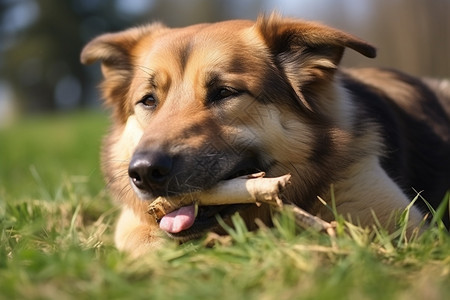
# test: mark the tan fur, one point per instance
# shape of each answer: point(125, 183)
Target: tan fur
point(293, 108)
point(367, 193)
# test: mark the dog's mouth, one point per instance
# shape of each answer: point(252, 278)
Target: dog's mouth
point(189, 222)
point(192, 221)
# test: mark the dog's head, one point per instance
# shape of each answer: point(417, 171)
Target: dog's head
point(197, 105)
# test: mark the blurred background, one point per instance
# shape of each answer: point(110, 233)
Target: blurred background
point(40, 40)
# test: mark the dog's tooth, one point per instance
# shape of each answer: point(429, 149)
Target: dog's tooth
point(196, 209)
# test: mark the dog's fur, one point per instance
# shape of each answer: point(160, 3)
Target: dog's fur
point(212, 101)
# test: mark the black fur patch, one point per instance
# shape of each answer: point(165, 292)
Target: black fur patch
point(414, 131)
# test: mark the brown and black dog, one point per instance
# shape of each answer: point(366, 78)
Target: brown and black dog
point(196, 105)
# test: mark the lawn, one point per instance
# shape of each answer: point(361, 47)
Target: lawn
point(56, 226)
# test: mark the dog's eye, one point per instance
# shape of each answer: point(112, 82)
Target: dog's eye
point(222, 94)
point(148, 101)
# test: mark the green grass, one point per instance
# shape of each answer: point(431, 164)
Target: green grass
point(37, 154)
point(56, 226)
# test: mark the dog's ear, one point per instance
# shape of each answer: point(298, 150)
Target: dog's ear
point(307, 52)
point(114, 51)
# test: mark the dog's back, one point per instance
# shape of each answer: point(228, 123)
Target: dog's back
point(441, 88)
point(414, 119)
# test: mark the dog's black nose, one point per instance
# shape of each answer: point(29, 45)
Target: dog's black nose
point(150, 171)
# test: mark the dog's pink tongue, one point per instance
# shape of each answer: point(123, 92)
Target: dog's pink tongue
point(178, 220)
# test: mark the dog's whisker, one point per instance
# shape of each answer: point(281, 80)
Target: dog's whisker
point(145, 69)
point(124, 191)
point(117, 177)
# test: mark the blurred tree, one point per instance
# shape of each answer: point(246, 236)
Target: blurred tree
point(414, 35)
point(40, 55)
point(40, 40)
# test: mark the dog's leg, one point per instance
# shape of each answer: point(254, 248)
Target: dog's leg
point(367, 191)
point(134, 236)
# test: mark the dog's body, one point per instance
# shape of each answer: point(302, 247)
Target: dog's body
point(196, 105)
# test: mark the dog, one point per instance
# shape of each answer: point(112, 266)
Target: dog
point(197, 105)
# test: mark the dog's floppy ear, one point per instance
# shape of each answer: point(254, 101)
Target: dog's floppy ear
point(307, 52)
point(114, 51)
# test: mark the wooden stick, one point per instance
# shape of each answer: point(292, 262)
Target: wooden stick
point(252, 188)
point(307, 220)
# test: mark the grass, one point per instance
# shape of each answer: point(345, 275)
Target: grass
point(56, 226)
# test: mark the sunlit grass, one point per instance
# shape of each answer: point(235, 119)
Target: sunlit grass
point(37, 154)
point(56, 242)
